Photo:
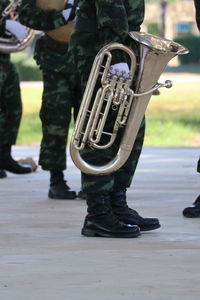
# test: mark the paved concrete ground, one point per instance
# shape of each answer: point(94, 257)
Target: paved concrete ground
point(43, 255)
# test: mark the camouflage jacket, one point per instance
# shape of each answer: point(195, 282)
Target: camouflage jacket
point(197, 5)
point(3, 4)
point(32, 16)
point(110, 17)
point(100, 22)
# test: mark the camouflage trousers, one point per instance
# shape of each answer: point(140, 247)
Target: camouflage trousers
point(10, 104)
point(83, 57)
point(55, 114)
point(59, 94)
point(120, 179)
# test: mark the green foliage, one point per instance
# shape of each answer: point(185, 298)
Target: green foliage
point(26, 67)
point(190, 68)
point(173, 118)
point(30, 130)
point(153, 28)
point(191, 42)
point(180, 132)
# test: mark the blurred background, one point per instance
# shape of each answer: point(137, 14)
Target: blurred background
point(173, 117)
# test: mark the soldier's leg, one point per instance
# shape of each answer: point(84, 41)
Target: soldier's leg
point(100, 219)
point(11, 110)
point(124, 176)
point(198, 166)
point(194, 210)
point(2, 118)
point(122, 180)
point(11, 105)
point(55, 115)
point(105, 203)
point(96, 183)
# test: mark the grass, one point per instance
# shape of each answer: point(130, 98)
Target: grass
point(30, 129)
point(173, 118)
point(184, 69)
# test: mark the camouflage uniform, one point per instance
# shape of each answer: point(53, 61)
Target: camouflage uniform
point(60, 87)
point(194, 210)
point(197, 6)
point(10, 98)
point(99, 23)
point(198, 165)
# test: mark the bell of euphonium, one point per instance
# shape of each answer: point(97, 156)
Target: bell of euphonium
point(116, 93)
point(10, 44)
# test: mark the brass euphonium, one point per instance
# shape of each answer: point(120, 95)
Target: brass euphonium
point(10, 44)
point(116, 93)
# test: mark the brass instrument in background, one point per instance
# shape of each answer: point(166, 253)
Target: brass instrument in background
point(63, 33)
point(10, 44)
point(116, 93)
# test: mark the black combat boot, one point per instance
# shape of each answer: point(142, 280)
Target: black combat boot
point(58, 188)
point(129, 215)
point(100, 221)
point(82, 195)
point(2, 174)
point(194, 210)
point(9, 164)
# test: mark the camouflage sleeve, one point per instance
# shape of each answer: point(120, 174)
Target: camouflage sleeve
point(135, 11)
point(198, 165)
point(197, 6)
point(32, 16)
point(3, 5)
point(112, 19)
point(2, 27)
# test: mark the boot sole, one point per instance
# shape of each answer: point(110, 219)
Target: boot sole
point(150, 228)
point(190, 215)
point(18, 172)
point(98, 233)
point(52, 196)
point(3, 176)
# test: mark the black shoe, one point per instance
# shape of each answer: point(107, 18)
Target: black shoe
point(128, 215)
point(101, 221)
point(82, 195)
point(194, 210)
point(61, 190)
point(109, 226)
point(11, 165)
point(2, 173)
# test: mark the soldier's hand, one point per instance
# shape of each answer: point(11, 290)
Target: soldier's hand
point(17, 29)
point(120, 69)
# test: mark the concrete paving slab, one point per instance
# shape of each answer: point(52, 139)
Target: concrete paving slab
point(43, 255)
